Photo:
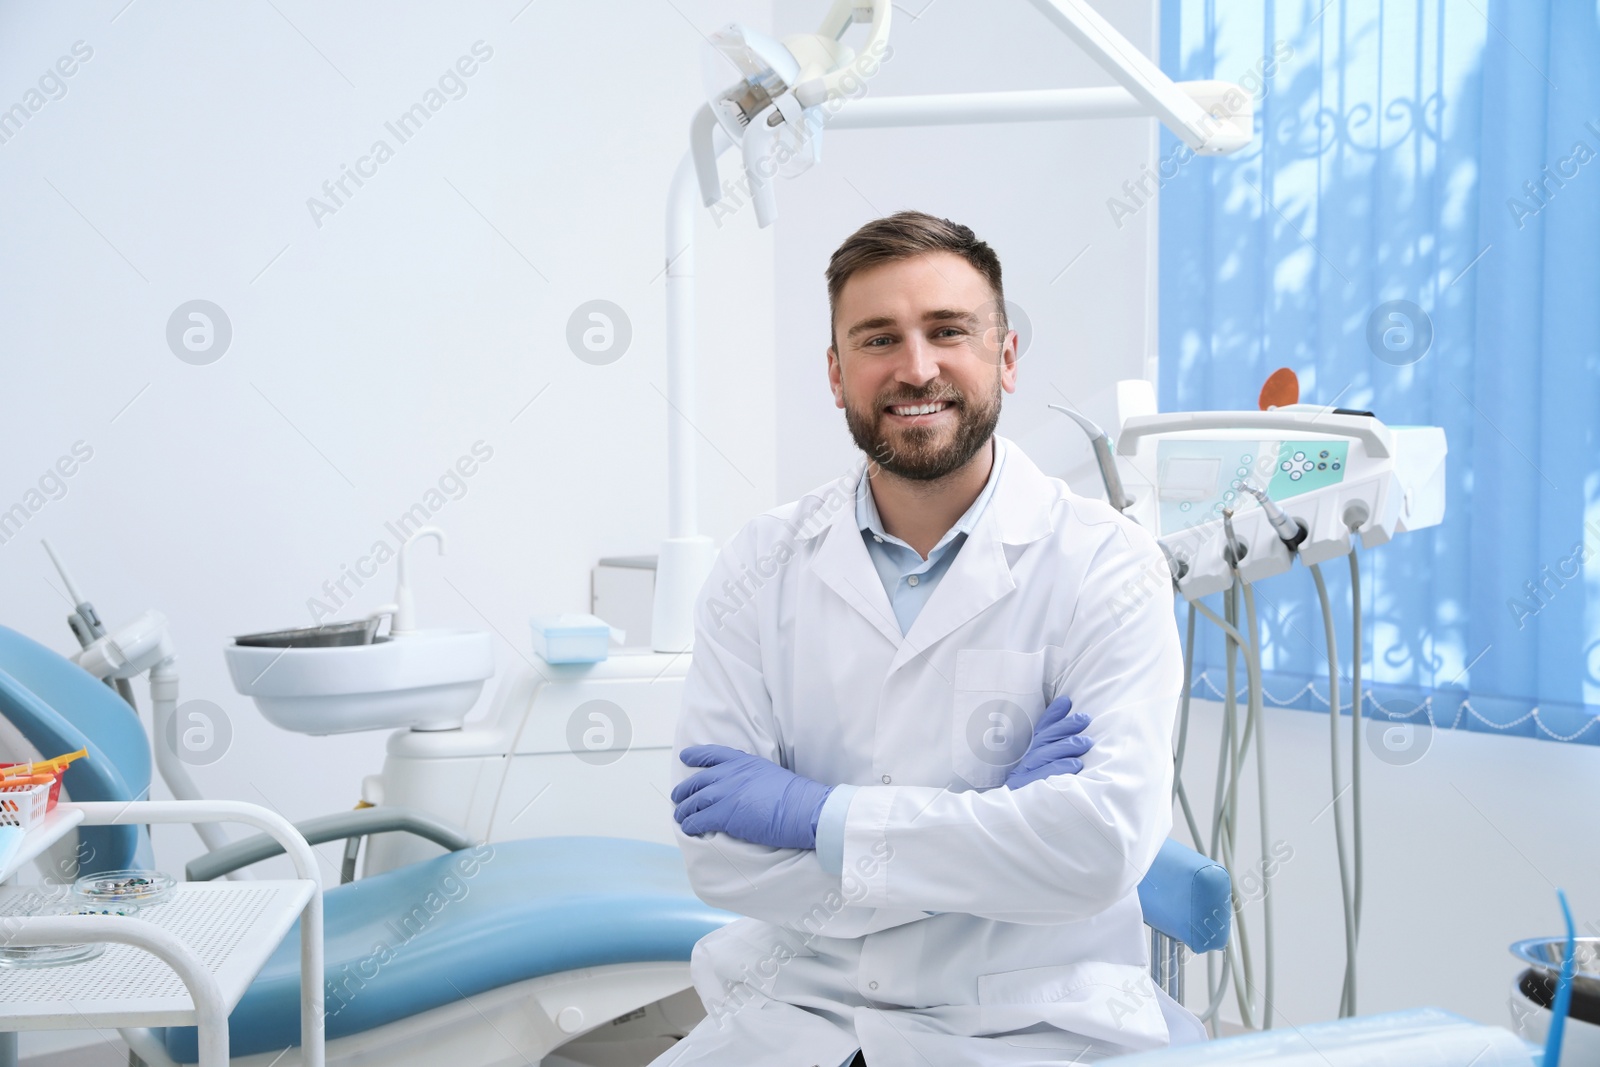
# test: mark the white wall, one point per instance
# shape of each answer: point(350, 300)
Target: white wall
point(1465, 847)
point(1035, 191)
point(369, 353)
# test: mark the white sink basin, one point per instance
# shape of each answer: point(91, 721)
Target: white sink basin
point(427, 680)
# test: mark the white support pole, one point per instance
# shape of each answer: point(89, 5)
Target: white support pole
point(108, 813)
point(682, 478)
point(163, 707)
point(952, 109)
point(686, 555)
point(1140, 76)
point(1024, 105)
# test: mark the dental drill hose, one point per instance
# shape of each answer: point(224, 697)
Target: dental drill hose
point(1244, 985)
point(1252, 660)
point(1258, 714)
point(1355, 757)
point(1216, 993)
point(1178, 790)
point(1347, 993)
point(1293, 533)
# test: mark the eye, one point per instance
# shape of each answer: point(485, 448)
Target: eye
point(878, 342)
point(949, 331)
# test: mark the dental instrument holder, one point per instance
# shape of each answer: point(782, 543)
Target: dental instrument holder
point(1211, 117)
point(1290, 531)
point(145, 646)
point(1332, 477)
point(85, 621)
point(1116, 495)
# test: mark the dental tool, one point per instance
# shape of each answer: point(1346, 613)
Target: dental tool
point(85, 621)
point(1101, 443)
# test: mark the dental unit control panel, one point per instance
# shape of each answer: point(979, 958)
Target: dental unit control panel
point(1242, 493)
point(1194, 479)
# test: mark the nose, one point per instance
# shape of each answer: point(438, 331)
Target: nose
point(919, 363)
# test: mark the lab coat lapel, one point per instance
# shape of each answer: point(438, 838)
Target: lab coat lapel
point(980, 575)
point(977, 577)
point(843, 564)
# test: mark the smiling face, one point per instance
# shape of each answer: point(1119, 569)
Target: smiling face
point(920, 356)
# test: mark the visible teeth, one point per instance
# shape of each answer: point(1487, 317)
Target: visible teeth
point(920, 409)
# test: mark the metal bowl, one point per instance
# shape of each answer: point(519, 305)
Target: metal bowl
point(1545, 954)
point(331, 635)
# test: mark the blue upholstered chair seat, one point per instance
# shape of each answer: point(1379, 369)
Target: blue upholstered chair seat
point(426, 935)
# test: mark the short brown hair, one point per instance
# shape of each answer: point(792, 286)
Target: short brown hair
point(906, 234)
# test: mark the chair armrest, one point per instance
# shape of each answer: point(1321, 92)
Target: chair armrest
point(1188, 897)
point(335, 827)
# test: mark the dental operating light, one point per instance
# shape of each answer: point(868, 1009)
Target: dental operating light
point(774, 110)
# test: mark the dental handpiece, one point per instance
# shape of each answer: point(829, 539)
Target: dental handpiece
point(1101, 443)
point(1289, 530)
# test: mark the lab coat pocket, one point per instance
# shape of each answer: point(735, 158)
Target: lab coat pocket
point(999, 695)
point(1111, 1003)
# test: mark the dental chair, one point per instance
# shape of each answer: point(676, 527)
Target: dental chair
point(489, 954)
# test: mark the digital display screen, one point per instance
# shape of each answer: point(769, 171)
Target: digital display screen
point(1189, 477)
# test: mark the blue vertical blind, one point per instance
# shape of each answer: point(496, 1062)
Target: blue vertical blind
point(1446, 154)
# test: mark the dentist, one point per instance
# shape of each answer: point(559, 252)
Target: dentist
point(887, 766)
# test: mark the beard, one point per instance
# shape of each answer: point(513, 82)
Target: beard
point(915, 452)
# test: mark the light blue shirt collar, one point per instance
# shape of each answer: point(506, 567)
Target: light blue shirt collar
point(870, 522)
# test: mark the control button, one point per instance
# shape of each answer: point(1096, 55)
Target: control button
point(1322, 466)
point(1285, 465)
point(1335, 464)
point(1245, 459)
point(1294, 476)
point(1183, 506)
point(1229, 495)
point(1306, 465)
point(1236, 483)
point(886, 779)
point(1298, 456)
point(1323, 453)
point(1243, 472)
point(872, 985)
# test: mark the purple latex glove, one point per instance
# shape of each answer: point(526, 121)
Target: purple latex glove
point(1057, 745)
point(749, 797)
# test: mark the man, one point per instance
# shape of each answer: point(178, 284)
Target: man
point(886, 769)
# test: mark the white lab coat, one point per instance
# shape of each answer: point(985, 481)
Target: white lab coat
point(973, 924)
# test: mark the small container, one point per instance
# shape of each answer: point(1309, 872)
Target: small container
point(123, 887)
point(55, 787)
point(25, 806)
point(572, 638)
point(61, 955)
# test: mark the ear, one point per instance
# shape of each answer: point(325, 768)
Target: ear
point(1008, 362)
point(835, 377)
